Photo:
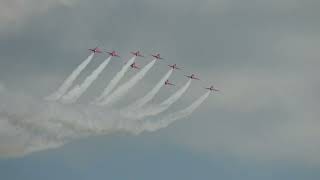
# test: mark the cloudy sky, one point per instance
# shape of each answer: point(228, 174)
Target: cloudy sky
point(262, 54)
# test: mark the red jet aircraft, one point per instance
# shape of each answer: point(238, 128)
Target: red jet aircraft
point(192, 77)
point(169, 83)
point(157, 56)
point(113, 53)
point(174, 66)
point(96, 50)
point(212, 88)
point(134, 66)
point(137, 54)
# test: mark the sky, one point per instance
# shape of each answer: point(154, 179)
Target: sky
point(262, 55)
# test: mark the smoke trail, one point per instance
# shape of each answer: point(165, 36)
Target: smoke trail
point(176, 96)
point(151, 124)
point(147, 98)
point(77, 91)
point(156, 109)
point(28, 125)
point(167, 120)
point(114, 81)
point(68, 82)
point(123, 89)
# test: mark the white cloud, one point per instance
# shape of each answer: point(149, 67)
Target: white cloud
point(15, 11)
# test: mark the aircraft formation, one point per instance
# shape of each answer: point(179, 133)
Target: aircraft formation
point(157, 57)
point(62, 117)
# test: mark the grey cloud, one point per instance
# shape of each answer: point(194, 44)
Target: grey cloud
point(2, 87)
point(261, 54)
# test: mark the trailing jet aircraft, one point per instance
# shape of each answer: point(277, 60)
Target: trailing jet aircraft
point(113, 53)
point(137, 54)
point(169, 83)
point(174, 66)
point(95, 50)
point(134, 66)
point(211, 88)
point(157, 56)
point(192, 76)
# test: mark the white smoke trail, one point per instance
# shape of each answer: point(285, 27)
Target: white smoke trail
point(123, 89)
point(28, 125)
point(73, 95)
point(69, 81)
point(176, 96)
point(147, 98)
point(167, 120)
point(136, 127)
point(156, 109)
point(113, 83)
